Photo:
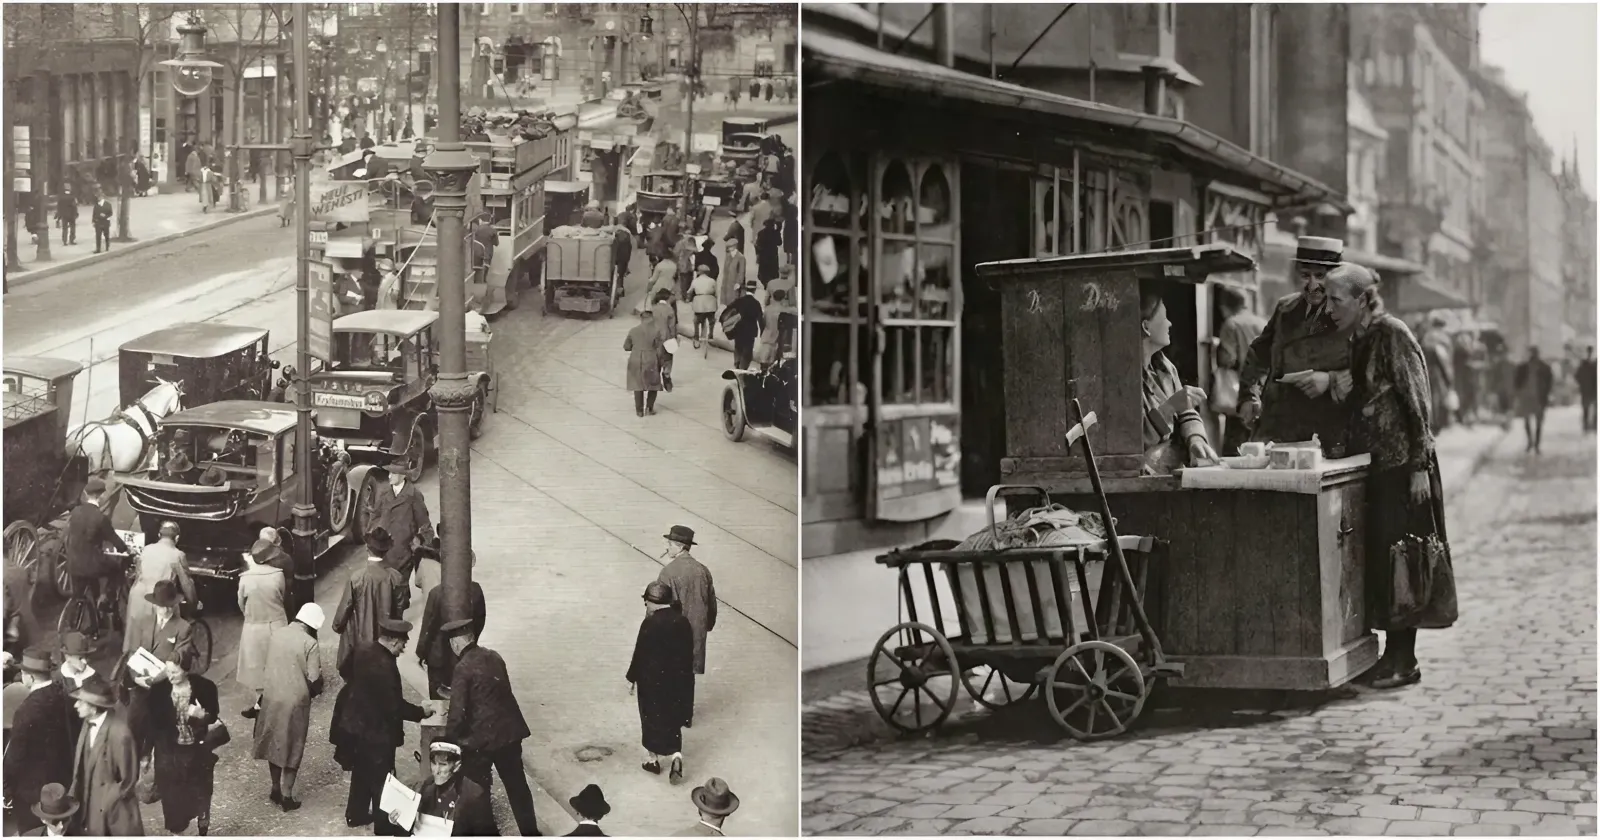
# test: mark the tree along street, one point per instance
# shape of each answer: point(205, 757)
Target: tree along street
point(571, 493)
point(1498, 739)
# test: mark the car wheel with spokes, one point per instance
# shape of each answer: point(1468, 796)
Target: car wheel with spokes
point(733, 419)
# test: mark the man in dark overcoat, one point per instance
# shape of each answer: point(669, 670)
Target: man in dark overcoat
point(1300, 337)
point(487, 723)
point(373, 593)
point(661, 675)
point(404, 514)
point(368, 722)
point(105, 766)
point(433, 647)
point(695, 595)
point(89, 531)
point(43, 735)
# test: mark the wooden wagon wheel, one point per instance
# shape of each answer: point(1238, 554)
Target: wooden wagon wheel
point(992, 689)
point(1095, 690)
point(907, 677)
point(20, 538)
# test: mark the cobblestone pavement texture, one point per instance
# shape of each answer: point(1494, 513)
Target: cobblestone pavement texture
point(571, 494)
point(1498, 739)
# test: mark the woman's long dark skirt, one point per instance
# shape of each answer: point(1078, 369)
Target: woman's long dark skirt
point(185, 775)
point(660, 722)
point(1391, 516)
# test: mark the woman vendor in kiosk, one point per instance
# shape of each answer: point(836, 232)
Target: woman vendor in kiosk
point(1390, 408)
point(1289, 387)
point(1174, 434)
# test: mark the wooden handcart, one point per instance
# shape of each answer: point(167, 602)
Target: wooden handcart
point(1028, 619)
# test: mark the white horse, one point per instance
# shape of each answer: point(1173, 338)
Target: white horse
point(122, 443)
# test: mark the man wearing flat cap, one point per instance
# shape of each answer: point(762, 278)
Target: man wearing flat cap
point(693, 592)
point(449, 795)
point(591, 807)
point(51, 812)
point(715, 802)
point(1297, 372)
point(105, 768)
point(43, 734)
point(369, 721)
point(375, 592)
point(486, 722)
point(661, 676)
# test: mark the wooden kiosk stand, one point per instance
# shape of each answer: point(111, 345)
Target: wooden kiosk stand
point(1263, 587)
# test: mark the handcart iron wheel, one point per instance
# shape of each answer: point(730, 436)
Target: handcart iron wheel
point(20, 538)
point(994, 690)
point(1095, 690)
point(909, 661)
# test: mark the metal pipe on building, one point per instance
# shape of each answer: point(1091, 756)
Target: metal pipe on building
point(451, 167)
point(944, 24)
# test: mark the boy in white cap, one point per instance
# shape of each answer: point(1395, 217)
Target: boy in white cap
point(293, 677)
point(448, 794)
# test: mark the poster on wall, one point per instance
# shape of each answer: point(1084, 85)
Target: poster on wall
point(917, 456)
point(320, 335)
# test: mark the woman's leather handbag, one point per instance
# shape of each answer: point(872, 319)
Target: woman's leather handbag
point(1424, 584)
point(217, 736)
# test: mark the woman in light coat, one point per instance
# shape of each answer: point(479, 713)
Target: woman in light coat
point(261, 593)
point(646, 354)
point(293, 677)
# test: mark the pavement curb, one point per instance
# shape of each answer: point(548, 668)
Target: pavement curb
point(26, 276)
point(544, 803)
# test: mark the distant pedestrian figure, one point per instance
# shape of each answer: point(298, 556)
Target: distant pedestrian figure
point(261, 594)
point(755, 90)
point(1533, 381)
point(193, 170)
point(1585, 374)
point(703, 301)
point(369, 722)
point(293, 678)
point(182, 710)
point(745, 317)
point(716, 803)
point(661, 676)
point(767, 90)
point(100, 217)
point(731, 284)
point(646, 356)
point(487, 723)
point(403, 513)
point(591, 807)
point(621, 254)
point(375, 592)
point(693, 592)
point(268, 550)
point(67, 216)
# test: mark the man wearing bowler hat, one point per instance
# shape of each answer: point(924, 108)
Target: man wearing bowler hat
point(487, 723)
point(376, 591)
point(1297, 372)
point(52, 811)
point(75, 668)
point(43, 734)
point(716, 803)
point(369, 722)
point(693, 591)
point(591, 807)
point(105, 768)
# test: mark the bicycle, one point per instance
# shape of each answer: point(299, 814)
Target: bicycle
point(92, 617)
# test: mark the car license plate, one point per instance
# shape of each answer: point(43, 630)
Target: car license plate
point(328, 400)
point(713, 201)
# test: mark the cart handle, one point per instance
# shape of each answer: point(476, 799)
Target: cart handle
point(1080, 429)
point(999, 490)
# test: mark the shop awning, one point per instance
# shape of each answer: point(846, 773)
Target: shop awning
point(841, 58)
point(1412, 293)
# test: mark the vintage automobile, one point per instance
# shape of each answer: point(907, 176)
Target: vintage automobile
point(210, 362)
point(766, 400)
point(564, 202)
point(742, 147)
point(662, 191)
point(581, 274)
point(227, 469)
point(735, 126)
point(41, 481)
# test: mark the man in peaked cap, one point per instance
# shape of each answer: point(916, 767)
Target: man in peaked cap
point(369, 720)
point(448, 794)
point(487, 723)
point(43, 735)
point(693, 592)
point(1297, 372)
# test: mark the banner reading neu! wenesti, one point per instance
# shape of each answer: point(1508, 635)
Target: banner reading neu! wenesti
point(342, 202)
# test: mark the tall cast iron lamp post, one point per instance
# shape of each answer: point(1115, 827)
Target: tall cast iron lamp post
point(451, 167)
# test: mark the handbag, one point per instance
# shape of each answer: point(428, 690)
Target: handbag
point(730, 320)
point(146, 789)
point(217, 736)
point(1225, 391)
point(1424, 584)
point(671, 346)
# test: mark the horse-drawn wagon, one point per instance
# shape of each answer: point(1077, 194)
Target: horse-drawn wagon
point(41, 481)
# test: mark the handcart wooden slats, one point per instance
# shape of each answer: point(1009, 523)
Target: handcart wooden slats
point(1029, 617)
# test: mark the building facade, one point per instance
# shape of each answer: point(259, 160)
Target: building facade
point(1579, 271)
point(920, 164)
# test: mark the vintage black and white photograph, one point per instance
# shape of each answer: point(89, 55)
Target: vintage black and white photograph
point(351, 482)
point(1199, 419)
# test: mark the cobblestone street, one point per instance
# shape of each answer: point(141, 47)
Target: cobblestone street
point(1498, 739)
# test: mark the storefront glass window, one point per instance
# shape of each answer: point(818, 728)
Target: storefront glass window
point(836, 274)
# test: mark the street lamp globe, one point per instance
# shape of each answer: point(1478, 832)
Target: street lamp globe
point(381, 47)
point(192, 71)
